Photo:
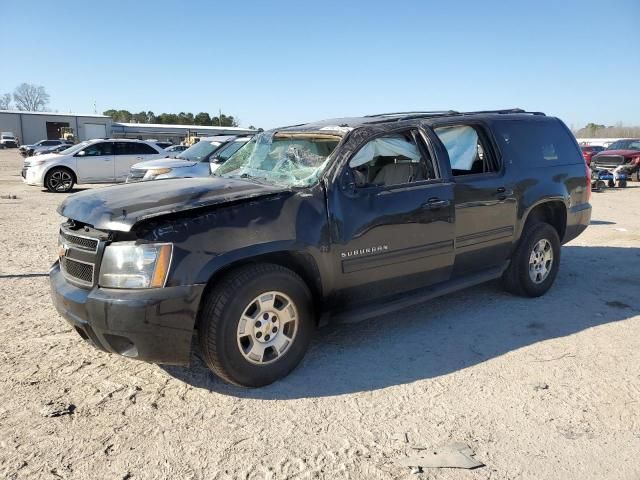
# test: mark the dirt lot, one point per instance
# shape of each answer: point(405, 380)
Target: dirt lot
point(547, 388)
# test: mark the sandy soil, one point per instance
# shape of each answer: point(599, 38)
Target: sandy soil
point(547, 388)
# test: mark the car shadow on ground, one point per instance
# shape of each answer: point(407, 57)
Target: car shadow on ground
point(596, 286)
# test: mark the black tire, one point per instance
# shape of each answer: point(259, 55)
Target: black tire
point(611, 184)
point(59, 180)
point(638, 175)
point(516, 279)
point(220, 317)
point(622, 184)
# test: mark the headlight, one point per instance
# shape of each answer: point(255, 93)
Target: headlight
point(127, 265)
point(154, 172)
point(34, 162)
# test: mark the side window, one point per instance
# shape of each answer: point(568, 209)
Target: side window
point(143, 149)
point(467, 149)
point(122, 148)
point(537, 143)
point(392, 159)
point(98, 149)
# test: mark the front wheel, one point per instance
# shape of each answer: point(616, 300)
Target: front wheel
point(535, 262)
point(256, 325)
point(59, 180)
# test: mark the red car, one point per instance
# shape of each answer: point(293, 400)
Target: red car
point(622, 152)
point(589, 151)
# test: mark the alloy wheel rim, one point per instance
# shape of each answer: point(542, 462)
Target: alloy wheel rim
point(540, 261)
point(267, 328)
point(60, 181)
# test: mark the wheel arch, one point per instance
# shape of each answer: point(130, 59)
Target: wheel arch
point(552, 211)
point(301, 263)
point(64, 167)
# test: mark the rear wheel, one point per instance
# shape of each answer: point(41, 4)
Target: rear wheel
point(59, 180)
point(256, 325)
point(535, 262)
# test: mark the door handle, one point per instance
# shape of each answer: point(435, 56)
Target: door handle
point(435, 204)
point(502, 193)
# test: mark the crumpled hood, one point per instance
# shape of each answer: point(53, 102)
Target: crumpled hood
point(122, 206)
point(163, 163)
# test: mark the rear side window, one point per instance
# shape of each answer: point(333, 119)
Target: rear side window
point(143, 149)
point(537, 143)
point(134, 148)
point(469, 153)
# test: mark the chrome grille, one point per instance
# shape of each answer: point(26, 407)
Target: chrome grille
point(79, 254)
point(84, 243)
point(79, 271)
point(608, 160)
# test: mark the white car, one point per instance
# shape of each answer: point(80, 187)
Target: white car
point(93, 161)
point(8, 140)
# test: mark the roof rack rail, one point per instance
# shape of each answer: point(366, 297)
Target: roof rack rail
point(417, 112)
point(444, 113)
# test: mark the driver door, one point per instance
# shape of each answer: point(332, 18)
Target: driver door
point(95, 163)
point(392, 219)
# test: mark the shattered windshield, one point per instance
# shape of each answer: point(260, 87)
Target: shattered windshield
point(199, 151)
point(289, 159)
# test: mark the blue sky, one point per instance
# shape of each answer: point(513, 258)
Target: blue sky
point(283, 62)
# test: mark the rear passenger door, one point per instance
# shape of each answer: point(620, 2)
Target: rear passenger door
point(485, 207)
point(392, 219)
point(130, 153)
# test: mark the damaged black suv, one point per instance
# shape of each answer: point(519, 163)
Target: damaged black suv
point(347, 218)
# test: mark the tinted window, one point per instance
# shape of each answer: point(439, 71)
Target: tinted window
point(50, 143)
point(537, 143)
point(143, 149)
point(392, 160)
point(134, 148)
point(625, 145)
point(97, 149)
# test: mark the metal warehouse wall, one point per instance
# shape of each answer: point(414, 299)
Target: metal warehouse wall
point(10, 122)
point(33, 127)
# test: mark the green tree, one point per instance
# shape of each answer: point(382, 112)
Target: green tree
point(140, 117)
point(202, 118)
point(224, 121)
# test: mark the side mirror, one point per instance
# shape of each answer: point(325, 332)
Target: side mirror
point(81, 153)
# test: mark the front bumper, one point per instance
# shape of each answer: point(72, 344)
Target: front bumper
point(32, 176)
point(578, 219)
point(154, 325)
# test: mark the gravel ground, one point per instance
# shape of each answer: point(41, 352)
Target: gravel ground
point(544, 388)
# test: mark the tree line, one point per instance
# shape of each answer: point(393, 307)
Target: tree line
point(182, 118)
point(594, 130)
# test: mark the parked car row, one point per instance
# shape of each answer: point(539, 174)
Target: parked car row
point(93, 161)
point(621, 157)
point(60, 166)
point(29, 150)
